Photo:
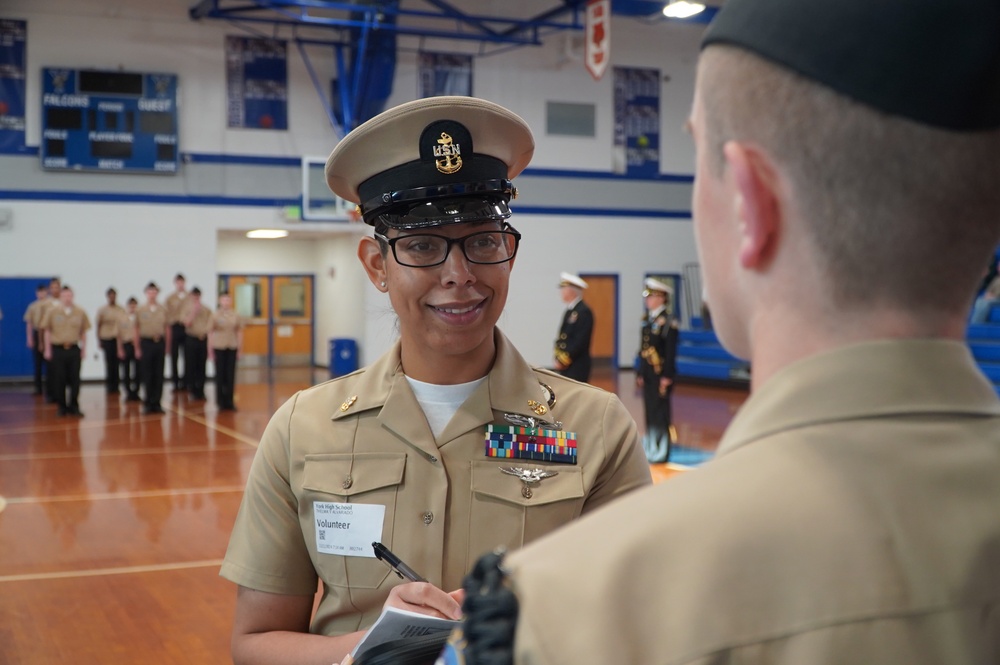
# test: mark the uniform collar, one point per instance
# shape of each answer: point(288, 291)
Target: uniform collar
point(867, 380)
point(510, 385)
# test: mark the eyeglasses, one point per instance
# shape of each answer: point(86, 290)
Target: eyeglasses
point(426, 250)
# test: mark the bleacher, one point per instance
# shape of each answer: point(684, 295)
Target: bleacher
point(700, 356)
point(984, 341)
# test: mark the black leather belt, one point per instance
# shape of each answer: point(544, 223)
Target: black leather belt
point(68, 346)
point(151, 339)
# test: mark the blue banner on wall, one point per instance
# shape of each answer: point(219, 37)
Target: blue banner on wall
point(13, 43)
point(637, 121)
point(444, 74)
point(257, 82)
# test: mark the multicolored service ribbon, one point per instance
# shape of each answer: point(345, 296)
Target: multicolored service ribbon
point(543, 445)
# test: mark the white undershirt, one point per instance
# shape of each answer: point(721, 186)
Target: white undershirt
point(441, 402)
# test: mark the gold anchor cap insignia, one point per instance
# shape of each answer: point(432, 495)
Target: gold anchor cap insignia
point(449, 155)
point(528, 476)
point(349, 403)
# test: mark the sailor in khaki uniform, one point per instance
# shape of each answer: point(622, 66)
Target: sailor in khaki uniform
point(197, 320)
point(33, 328)
point(175, 319)
point(449, 445)
point(152, 338)
point(108, 320)
point(66, 327)
point(225, 341)
point(127, 327)
point(852, 513)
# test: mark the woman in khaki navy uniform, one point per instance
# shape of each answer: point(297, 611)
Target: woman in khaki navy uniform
point(225, 339)
point(175, 319)
point(127, 327)
point(33, 328)
point(152, 338)
point(410, 451)
point(66, 327)
point(197, 320)
point(108, 319)
point(657, 368)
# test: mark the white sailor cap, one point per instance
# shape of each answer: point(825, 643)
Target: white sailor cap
point(434, 161)
point(567, 279)
point(655, 286)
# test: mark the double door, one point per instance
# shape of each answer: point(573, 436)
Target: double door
point(278, 317)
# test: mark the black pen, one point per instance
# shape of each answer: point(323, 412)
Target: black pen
point(400, 568)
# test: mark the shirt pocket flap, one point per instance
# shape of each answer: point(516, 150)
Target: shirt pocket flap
point(489, 480)
point(346, 475)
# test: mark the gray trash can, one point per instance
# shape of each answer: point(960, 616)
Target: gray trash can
point(343, 356)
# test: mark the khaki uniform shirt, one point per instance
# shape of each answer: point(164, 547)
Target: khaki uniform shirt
point(201, 321)
point(36, 312)
point(225, 325)
point(363, 439)
point(66, 327)
point(126, 327)
point(152, 321)
point(852, 515)
point(108, 319)
point(175, 307)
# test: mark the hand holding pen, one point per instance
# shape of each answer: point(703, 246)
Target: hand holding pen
point(405, 572)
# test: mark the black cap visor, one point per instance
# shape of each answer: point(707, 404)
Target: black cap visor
point(426, 214)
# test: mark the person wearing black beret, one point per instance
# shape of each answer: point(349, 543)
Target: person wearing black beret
point(846, 197)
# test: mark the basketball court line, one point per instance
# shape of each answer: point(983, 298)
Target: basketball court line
point(105, 496)
point(97, 572)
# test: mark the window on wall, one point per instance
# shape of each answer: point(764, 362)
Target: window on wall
point(568, 119)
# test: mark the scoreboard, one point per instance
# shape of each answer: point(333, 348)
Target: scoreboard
point(109, 121)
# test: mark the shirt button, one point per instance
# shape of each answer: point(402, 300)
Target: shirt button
point(348, 481)
point(428, 517)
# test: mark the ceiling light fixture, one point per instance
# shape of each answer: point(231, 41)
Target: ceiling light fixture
point(269, 234)
point(683, 9)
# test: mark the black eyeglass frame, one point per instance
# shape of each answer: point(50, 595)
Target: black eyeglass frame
point(507, 229)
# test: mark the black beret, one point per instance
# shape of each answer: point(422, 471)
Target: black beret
point(936, 62)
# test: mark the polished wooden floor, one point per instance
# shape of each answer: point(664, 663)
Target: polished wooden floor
point(112, 526)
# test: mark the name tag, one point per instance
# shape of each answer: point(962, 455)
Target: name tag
point(347, 529)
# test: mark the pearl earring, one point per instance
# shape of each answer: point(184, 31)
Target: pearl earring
point(382, 284)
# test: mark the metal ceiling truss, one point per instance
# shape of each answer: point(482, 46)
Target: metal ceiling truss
point(345, 16)
point(363, 37)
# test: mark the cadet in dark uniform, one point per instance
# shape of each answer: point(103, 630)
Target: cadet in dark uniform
point(573, 346)
point(225, 341)
point(108, 320)
point(66, 327)
point(152, 337)
point(657, 368)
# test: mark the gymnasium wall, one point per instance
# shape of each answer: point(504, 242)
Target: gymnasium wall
point(97, 230)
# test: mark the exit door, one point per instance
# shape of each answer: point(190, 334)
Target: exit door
point(601, 295)
point(277, 312)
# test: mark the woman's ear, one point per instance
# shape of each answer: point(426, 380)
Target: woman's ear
point(758, 202)
point(373, 261)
